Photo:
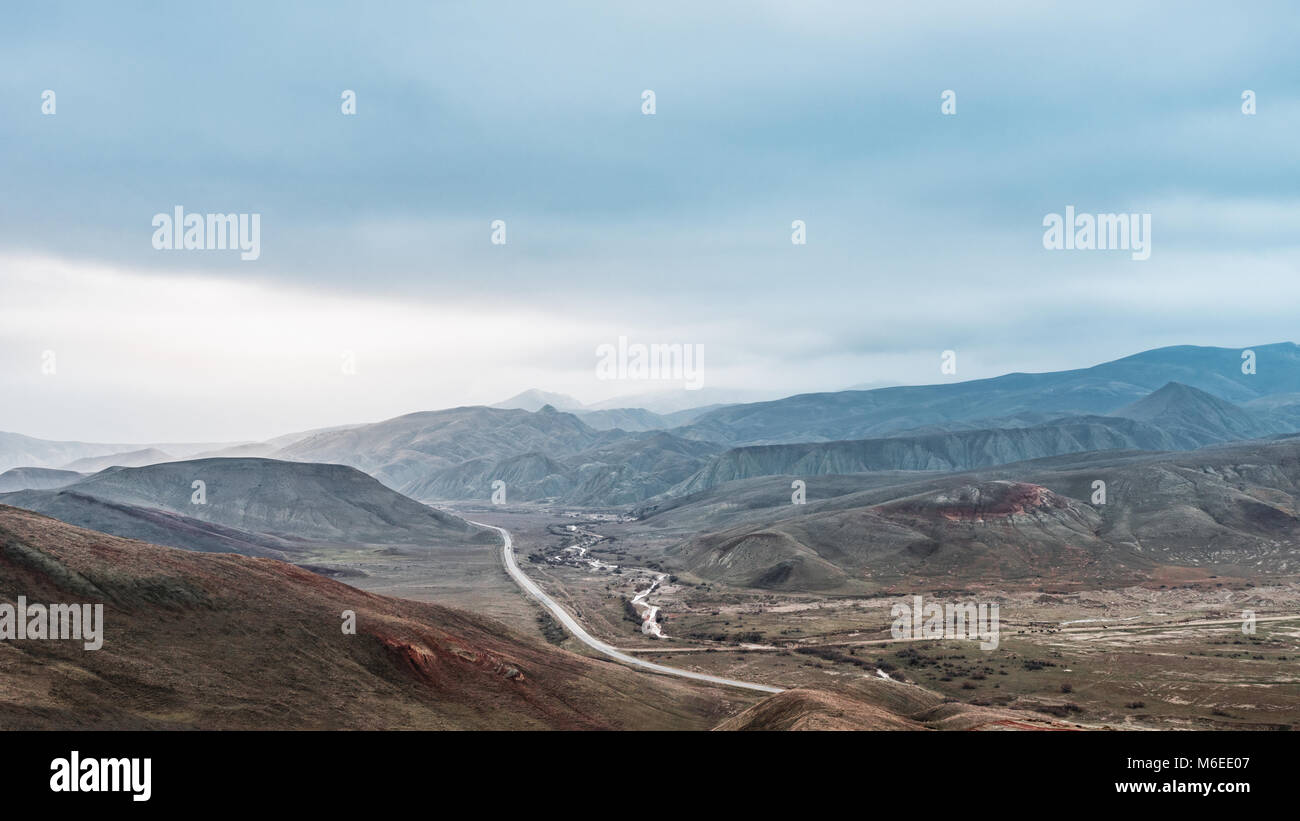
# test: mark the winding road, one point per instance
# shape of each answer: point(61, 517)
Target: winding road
point(572, 625)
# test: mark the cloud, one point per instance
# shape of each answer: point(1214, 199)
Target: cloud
point(924, 231)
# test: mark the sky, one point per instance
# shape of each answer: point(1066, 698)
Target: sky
point(378, 289)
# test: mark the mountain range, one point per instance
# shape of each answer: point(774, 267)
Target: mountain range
point(1175, 417)
point(1226, 509)
point(998, 402)
point(1176, 398)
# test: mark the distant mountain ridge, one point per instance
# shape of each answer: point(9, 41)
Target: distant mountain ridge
point(130, 459)
point(1165, 399)
point(1175, 417)
point(534, 400)
point(17, 450)
point(605, 415)
point(1099, 390)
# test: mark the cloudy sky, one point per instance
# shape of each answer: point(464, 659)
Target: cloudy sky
point(924, 231)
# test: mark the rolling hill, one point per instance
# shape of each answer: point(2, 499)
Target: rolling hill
point(251, 506)
point(877, 704)
point(202, 641)
point(37, 479)
point(1226, 509)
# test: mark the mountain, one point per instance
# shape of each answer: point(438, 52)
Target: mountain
point(130, 459)
point(633, 468)
point(17, 450)
point(609, 415)
point(640, 419)
point(202, 641)
point(534, 400)
point(266, 448)
point(759, 499)
point(628, 419)
point(962, 450)
point(673, 400)
point(153, 525)
point(251, 506)
point(1175, 417)
point(1099, 390)
point(568, 458)
point(616, 471)
point(549, 454)
point(412, 448)
point(36, 479)
point(1226, 509)
point(1194, 415)
point(966, 533)
point(606, 457)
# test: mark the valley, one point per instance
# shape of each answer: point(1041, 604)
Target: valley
point(1162, 655)
point(1138, 535)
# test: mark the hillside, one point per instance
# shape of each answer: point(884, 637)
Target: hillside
point(202, 641)
point(294, 503)
point(457, 454)
point(1227, 509)
point(877, 704)
point(972, 532)
point(37, 479)
point(414, 447)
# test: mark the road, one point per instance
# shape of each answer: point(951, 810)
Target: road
point(572, 625)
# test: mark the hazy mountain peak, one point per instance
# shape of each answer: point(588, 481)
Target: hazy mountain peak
point(1175, 397)
point(132, 459)
point(534, 399)
point(1176, 407)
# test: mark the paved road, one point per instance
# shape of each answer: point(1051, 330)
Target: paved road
point(508, 554)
